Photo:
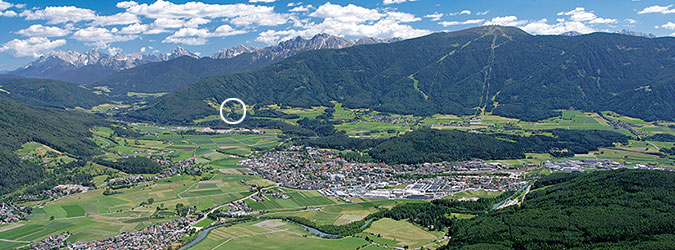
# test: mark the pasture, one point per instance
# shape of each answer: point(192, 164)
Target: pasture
point(272, 234)
point(405, 233)
point(299, 198)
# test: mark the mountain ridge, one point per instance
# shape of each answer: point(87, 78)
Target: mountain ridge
point(170, 75)
point(465, 72)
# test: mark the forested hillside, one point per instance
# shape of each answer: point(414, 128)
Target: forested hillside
point(48, 93)
point(60, 130)
point(429, 145)
point(490, 68)
point(622, 209)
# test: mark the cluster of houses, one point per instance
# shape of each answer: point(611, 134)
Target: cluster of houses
point(170, 169)
point(235, 209)
point(188, 166)
point(159, 236)
point(56, 241)
point(324, 170)
point(10, 213)
point(55, 193)
point(130, 180)
point(586, 164)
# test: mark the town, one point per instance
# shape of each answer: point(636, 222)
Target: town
point(324, 170)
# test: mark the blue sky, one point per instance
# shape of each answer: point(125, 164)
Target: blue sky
point(33, 28)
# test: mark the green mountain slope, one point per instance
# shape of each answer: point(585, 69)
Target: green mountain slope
point(61, 130)
point(498, 69)
point(622, 209)
point(48, 93)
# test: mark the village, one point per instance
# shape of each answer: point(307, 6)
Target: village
point(10, 213)
point(323, 170)
point(160, 236)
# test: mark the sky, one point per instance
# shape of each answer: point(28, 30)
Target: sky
point(32, 28)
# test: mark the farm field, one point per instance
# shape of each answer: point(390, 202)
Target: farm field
point(406, 234)
point(92, 215)
point(43, 152)
point(272, 234)
point(299, 198)
point(475, 193)
point(338, 214)
point(173, 144)
point(359, 128)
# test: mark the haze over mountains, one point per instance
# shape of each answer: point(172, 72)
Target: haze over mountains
point(490, 68)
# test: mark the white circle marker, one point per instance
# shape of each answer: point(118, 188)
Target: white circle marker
point(222, 105)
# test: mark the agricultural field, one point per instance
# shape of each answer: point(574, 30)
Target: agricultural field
point(338, 214)
point(372, 129)
point(272, 234)
point(404, 233)
point(635, 152)
point(92, 215)
point(571, 120)
point(82, 228)
point(301, 112)
point(475, 193)
point(40, 152)
point(176, 145)
point(299, 198)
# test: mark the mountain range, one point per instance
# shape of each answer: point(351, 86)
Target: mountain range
point(90, 66)
point(171, 75)
point(93, 68)
point(502, 70)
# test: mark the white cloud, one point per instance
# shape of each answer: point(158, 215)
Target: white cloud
point(34, 46)
point(630, 21)
point(60, 14)
point(452, 23)
point(463, 12)
point(581, 15)
point(5, 5)
point(669, 26)
point(542, 27)
point(505, 21)
point(396, 1)
point(117, 19)
point(43, 31)
point(261, 1)
point(168, 23)
point(658, 9)
point(240, 14)
point(301, 8)
point(101, 37)
point(194, 36)
point(135, 29)
point(435, 17)
point(9, 13)
point(482, 13)
point(347, 14)
point(350, 20)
